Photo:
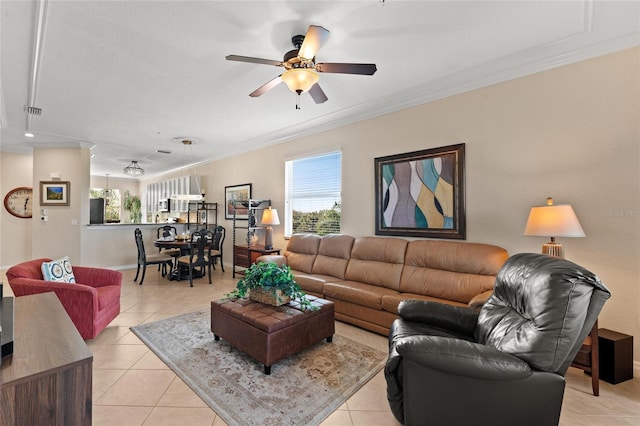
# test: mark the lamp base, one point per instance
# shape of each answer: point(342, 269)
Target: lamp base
point(268, 237)
point(553, 249)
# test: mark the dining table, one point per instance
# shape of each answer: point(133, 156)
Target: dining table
point(184, 244)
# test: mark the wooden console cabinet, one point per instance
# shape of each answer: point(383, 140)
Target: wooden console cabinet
point(47, 379)
point(245, 256)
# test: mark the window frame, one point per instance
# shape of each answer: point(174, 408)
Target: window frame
point(288, 196)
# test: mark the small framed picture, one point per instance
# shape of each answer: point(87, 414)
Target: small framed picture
point(54, 193)
point(237, 200)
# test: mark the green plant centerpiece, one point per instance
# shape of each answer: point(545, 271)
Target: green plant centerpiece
point(273, 280)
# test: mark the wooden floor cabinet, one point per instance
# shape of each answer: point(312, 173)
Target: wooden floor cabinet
point(47, 379)
point(245, 256)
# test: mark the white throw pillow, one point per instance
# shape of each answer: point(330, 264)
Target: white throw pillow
point(58, 270)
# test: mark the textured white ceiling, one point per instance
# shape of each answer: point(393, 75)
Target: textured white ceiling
point(128, 77)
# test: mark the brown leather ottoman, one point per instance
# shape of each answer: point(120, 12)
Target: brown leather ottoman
point(270, 333)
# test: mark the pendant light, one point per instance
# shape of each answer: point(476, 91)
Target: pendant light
point(133, 169)
point(194, 192)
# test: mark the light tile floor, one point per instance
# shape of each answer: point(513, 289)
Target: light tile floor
point(132, 386)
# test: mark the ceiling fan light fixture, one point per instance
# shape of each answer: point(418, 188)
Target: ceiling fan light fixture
point(133, 169)
point(300, 80)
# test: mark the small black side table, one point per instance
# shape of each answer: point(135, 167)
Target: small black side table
point(616, 356)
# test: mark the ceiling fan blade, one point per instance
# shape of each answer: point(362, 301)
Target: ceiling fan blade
point(253, 60)
point(266, 87)
point(317, 94)
point(342, 68)
point(315, 38)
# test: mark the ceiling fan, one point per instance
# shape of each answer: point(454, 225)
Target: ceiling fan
point(301, 70)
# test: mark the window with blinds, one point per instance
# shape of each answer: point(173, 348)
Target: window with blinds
point(312, 194)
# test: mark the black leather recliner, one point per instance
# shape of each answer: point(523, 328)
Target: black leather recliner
point(502, 366)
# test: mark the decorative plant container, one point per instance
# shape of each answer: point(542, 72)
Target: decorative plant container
point(271, 284)
point(273, 297)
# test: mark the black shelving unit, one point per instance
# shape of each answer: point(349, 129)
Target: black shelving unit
point(244, 253)
point(206, 215)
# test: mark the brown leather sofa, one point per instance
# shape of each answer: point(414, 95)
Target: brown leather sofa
point(367, 277)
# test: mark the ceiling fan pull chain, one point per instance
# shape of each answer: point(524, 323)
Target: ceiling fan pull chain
point(298, 101)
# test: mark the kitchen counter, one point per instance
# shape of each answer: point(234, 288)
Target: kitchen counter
point(112, 245)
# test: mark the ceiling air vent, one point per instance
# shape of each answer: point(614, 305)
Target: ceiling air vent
point(31, 110)
point(162, 151)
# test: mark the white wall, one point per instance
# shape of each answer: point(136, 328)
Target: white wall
point(572, 133)
point(15, 170)
point(61, 234)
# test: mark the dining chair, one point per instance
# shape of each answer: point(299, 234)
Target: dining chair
point(145, 259)
point(167, 231)
point(216, 246)
point(199, 255)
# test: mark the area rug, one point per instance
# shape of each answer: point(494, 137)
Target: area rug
point(301, 390)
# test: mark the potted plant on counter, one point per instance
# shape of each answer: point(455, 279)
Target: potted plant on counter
point(271, 284)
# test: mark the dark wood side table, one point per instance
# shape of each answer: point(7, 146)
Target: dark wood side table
point(616, 356)
point(47, 379)
point(587, 359)
point(245, 256)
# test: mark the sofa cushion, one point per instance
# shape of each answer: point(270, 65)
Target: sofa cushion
point(301, 252)
point(59, 270)
point(333, 255)
point(377, 261)
point(450, 270)
point(309, 283)
point(358, 293)
point(372, 319)
point(390, 302)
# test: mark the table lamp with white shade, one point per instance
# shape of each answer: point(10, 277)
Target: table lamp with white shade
point(269, 217)
point(553, 221)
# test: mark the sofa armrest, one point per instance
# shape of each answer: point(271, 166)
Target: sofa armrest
point(455, 318)
point(97, 277)
point(479, 300)
point(278, 259)
point(463, 358)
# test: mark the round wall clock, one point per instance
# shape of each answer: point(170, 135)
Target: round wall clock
point(19, 202)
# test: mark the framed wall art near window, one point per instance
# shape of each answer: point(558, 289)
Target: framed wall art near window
point(421, 193)
point(235, 195)
point(54, 193)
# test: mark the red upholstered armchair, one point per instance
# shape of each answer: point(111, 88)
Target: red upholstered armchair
point(92, 302)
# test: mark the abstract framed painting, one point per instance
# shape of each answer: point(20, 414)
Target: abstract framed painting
point(421, 193)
